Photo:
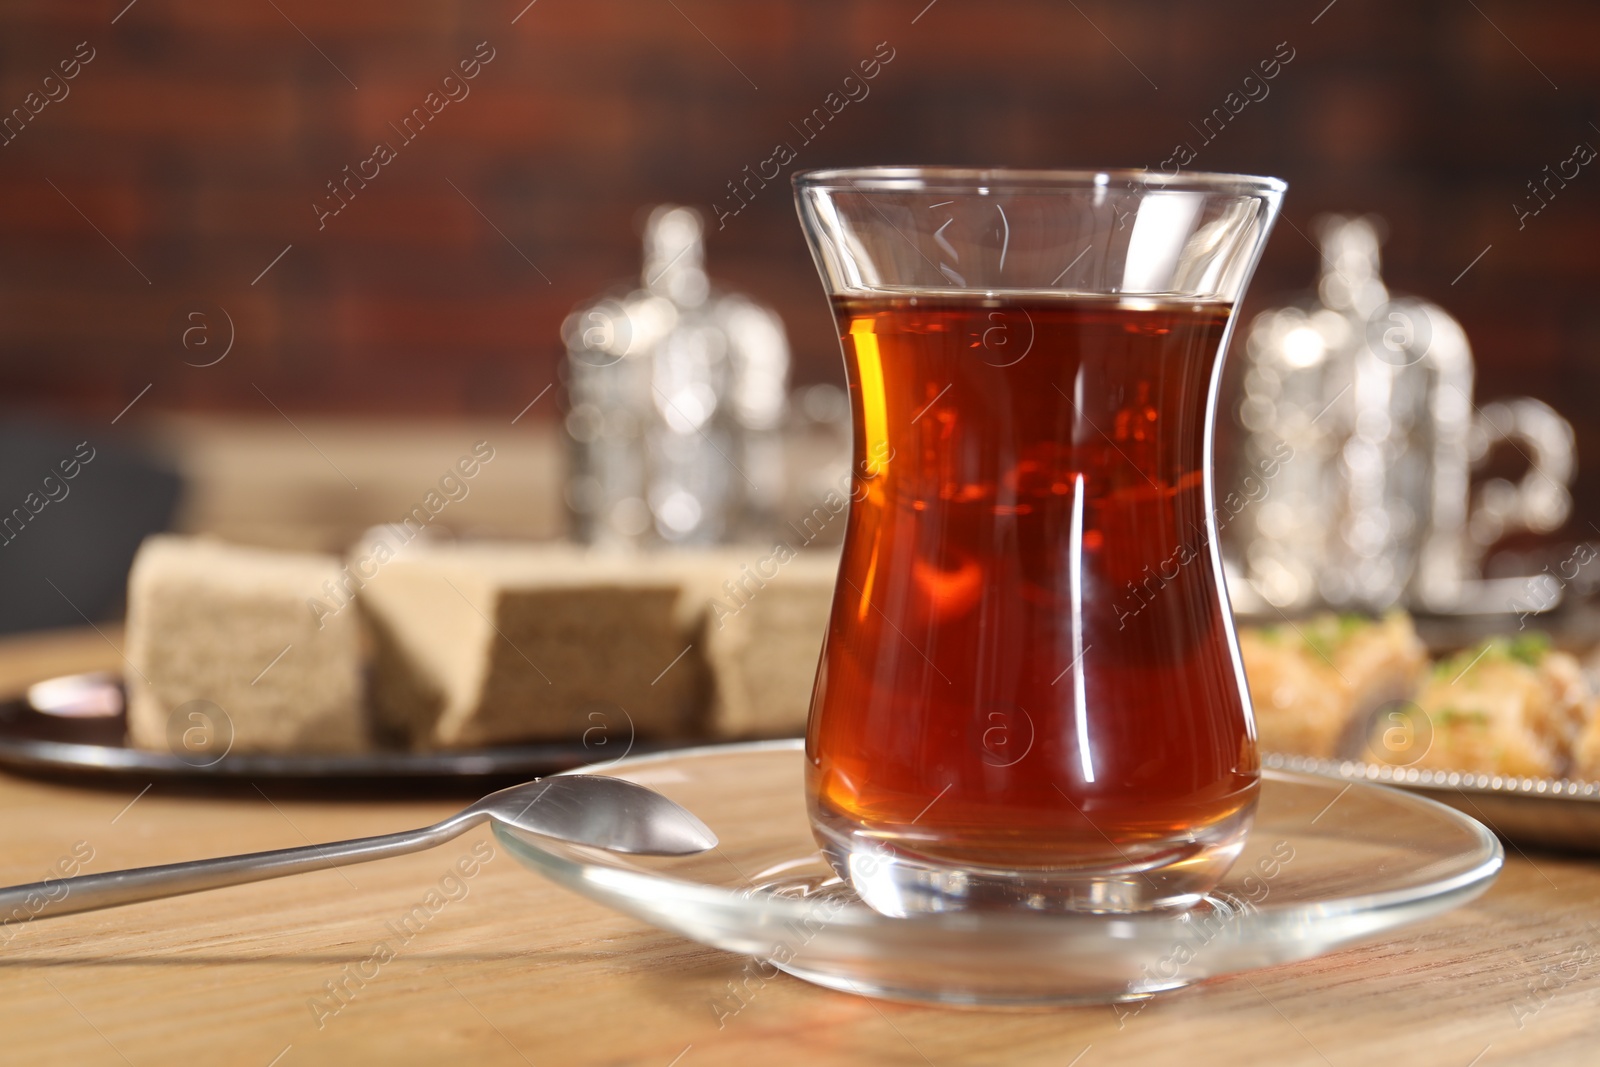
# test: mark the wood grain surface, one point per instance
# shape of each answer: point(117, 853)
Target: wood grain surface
point(511, 970)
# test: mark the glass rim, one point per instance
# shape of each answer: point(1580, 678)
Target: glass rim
point(967, 179)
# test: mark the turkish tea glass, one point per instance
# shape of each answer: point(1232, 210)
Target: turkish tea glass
point(1030, 695)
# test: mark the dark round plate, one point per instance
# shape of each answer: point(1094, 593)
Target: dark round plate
point(76, 726)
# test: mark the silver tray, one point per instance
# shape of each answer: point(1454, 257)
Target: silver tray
point(1540, 812)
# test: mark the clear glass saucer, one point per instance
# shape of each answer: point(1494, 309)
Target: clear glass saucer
point(1327, 863)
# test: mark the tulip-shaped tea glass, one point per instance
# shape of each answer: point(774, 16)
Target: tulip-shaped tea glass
point(1030, 695)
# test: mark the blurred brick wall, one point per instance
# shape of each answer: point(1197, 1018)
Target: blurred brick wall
point(200, 135)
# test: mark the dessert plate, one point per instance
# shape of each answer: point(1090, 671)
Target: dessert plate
point(1328, 863)
point(75, 725)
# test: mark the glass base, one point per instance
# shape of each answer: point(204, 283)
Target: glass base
point(894, 879)
point(924, 993)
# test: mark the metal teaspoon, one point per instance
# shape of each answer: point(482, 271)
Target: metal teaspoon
point(594, 810)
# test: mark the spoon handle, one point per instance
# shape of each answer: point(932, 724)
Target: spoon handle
point(87, 892)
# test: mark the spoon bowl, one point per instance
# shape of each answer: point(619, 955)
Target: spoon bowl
point(609, 813)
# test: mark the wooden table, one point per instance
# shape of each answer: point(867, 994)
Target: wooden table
point(514, 970)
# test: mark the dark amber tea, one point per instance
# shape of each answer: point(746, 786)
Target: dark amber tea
point(1028, 662)
point(1030, 696)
